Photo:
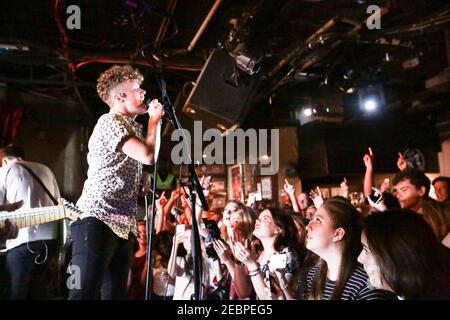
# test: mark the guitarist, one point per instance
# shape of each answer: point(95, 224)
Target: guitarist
point(29, 254)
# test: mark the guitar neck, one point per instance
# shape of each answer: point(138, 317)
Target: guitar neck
point(29, 217)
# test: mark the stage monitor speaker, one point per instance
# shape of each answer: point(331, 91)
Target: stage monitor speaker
point(221, 93)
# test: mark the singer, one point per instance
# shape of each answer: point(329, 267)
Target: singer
point(103, 240)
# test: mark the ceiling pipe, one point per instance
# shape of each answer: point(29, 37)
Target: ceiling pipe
point(165, 23)
point(204, 24)
point(299, 49)
point(195, 67)
point(297, 52)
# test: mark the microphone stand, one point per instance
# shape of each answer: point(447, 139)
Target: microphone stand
point(195, 190)
point(149, 227)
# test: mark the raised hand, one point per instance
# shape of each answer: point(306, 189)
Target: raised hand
point(205, 182)
point(402, 164)
point(368, 159)
point(289, 188)
point(175, 195)
point(344, 185)
point(344, 188)
point(316, 197)
point(161, 201)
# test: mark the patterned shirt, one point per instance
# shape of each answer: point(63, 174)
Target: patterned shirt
point(356, 288)
point(110, 191)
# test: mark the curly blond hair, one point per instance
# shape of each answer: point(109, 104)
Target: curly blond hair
point(113, 77)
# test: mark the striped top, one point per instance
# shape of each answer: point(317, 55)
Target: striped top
point(357, 287)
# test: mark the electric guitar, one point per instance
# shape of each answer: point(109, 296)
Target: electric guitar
point(29, 217)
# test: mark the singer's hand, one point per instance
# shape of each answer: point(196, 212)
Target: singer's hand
point(155, 111)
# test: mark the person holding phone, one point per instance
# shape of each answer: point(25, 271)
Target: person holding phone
point(272, 271)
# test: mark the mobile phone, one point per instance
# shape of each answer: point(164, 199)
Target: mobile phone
point(213, 231)
point(278, 261)
point(376, 196)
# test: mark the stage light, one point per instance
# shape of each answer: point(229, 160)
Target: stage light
point(370, 105)
point(246, 62)
point(371, 99)
point(308, 112)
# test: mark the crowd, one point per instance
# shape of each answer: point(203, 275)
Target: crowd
point(393, 245)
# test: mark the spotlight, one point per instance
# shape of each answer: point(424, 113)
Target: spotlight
point(370, 105)
point(308, 112)
point(371, 99)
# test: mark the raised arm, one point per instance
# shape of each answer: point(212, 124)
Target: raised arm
point(290, 190)
point(344, 188)
point(368, 176)
point(144, 151)
point(402, 164)
point(160, 214)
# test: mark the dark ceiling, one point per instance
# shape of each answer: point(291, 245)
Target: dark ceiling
point(310, 52)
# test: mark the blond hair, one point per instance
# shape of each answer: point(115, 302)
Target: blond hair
point(114, 76)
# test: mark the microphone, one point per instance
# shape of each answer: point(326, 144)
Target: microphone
point(144, 8)
point(167, 112)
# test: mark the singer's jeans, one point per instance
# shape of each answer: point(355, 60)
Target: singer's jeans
point(101, 261)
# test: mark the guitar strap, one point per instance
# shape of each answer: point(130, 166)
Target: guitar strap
point(40, 182)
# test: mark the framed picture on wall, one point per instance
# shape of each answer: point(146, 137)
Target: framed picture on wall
point(235, 190)
point(266, 186)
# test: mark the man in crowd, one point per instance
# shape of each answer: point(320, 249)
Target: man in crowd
point(442, 188)
point(411, 187)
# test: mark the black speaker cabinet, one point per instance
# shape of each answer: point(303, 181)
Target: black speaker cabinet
point(221, 93)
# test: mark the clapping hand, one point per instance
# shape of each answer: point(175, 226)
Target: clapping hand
point(223, 251)
point(243, 254)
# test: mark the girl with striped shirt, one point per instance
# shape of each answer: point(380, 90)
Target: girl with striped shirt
point(334, 235)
